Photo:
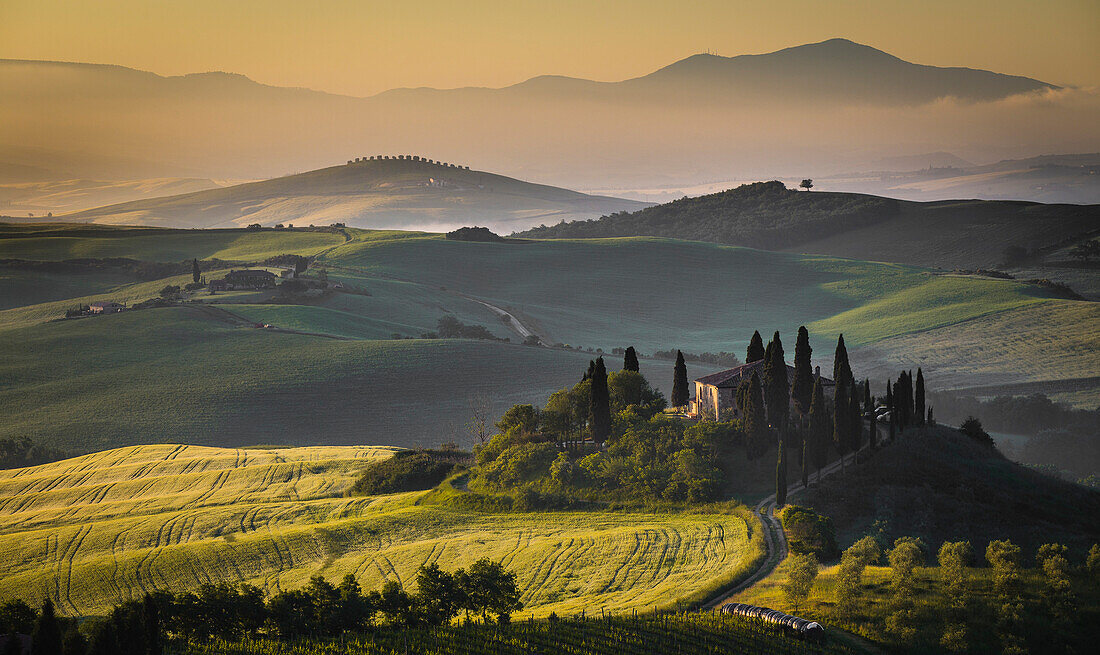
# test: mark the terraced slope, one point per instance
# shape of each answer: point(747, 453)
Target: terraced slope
point(94, 530)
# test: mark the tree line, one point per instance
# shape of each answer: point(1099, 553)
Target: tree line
point(1018, 626)
point(233, 612)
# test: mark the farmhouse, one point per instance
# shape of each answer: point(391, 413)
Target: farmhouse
point(106, 307)
point(717, 393)
point(246, 279)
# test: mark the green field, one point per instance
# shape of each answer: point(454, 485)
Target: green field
point(197, 375)
point(92, 531)
point(189, 375)
point(72, 241)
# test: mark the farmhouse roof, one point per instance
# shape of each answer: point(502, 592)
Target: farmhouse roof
point(250, 273)
point(732, 377)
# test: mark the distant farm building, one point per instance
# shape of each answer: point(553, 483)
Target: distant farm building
point(246, 279)
point(716, 394)
point(106, 307)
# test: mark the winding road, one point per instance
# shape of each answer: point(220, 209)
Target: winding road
point(513, 322)
point(775, 541)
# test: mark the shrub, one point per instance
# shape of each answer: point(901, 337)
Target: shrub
point(809, 532)
point(408, 470)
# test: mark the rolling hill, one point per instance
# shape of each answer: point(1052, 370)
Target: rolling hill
point(343, 367)
point(390, 193)
point(103, 528)
point(966, 234)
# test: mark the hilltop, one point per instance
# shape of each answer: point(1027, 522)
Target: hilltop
point(949, 234)
point(405, 192)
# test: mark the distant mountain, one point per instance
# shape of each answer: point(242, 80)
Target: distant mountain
point(950, 234)
point(390, 193)
point(702, 118)
point(837, 70)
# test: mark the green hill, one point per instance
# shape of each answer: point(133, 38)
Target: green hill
point(339, 367)
point(949, 234)
point(391, 193)
point(940, 485)
point(60, 241)
point(99, 529)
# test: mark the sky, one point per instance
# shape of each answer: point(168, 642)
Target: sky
point(362, 47)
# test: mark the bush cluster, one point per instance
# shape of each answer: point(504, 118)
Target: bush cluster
point(409, 470)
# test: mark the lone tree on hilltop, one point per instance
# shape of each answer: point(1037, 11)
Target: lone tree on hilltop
point(196, 274)
point(842, 370)
point(755, 353)
point(600, 399)
point(630, 360)
point(919, 412)
point(802, 388)
point(679, 381)
point(806, 184)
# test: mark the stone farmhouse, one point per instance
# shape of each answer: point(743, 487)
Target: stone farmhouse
point(106, 307)
point(245, 279)
point(716, 393)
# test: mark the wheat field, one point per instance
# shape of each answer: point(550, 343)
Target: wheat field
point(91, 531)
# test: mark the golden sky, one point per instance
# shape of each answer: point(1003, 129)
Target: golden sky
point(364, 47)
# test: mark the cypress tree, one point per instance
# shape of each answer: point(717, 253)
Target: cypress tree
point(802, 388)
point(591, 369)
point(855, 421)
point(873, 434)
point(151, 617)
point(910, 418)
point(918, 410)
point(819, 427)
point(600, 403)
point(868, 399)
point(630, 360)
point(781, 476)
point(840, 421)
point(679, 381)
point(890, 407)
point(805, 457)
point(755, 423)
point(842, 370)
point(46, 639)
point(777, 391)
point(195, 273)
point(755, 352)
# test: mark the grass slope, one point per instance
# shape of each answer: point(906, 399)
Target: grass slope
point(60, 241)
point(949, 234)
point(941, 486)
point(192, 374)
point(91, 531)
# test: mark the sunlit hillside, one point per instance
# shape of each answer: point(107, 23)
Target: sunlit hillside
point(96, 530)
